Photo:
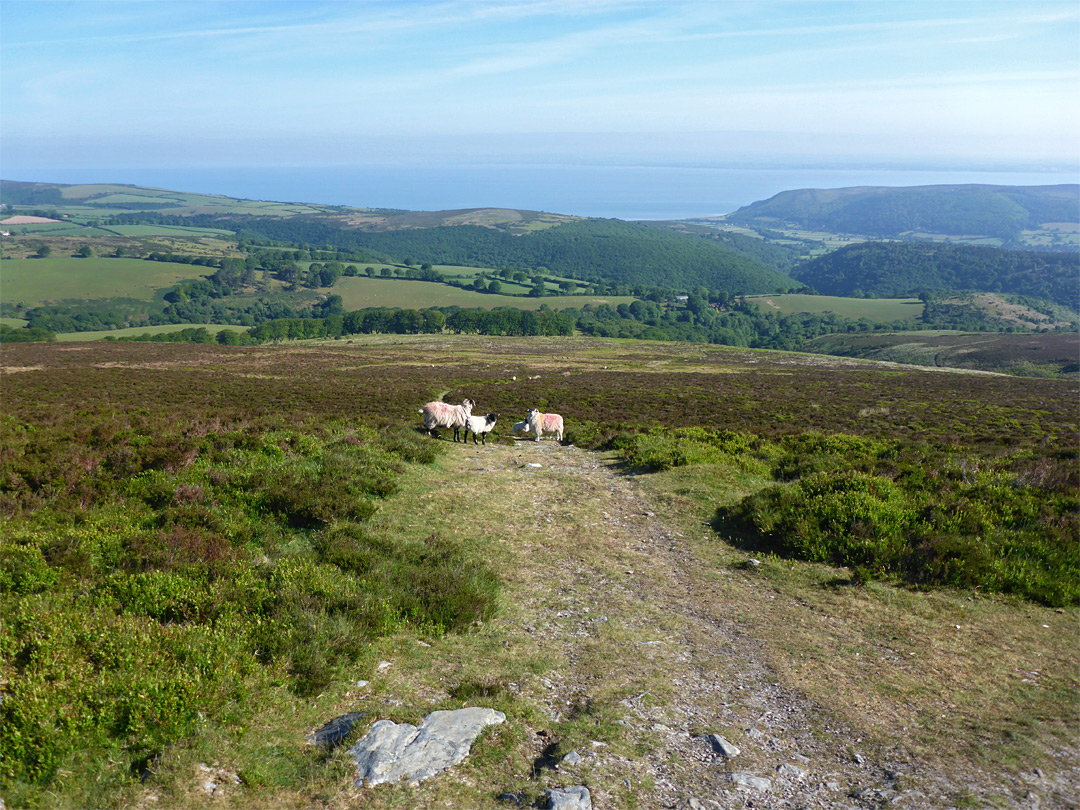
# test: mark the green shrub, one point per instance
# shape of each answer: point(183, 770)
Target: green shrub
point(662, 449)
point(847, 519)
point(157, 581)
point(924, 515)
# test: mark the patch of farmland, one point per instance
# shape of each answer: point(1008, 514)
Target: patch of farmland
point(166, 230)
point(135, 331)
point(359, 292)
point(36, 282)
point(23, 219)
point(876, 310)
point(110, 199)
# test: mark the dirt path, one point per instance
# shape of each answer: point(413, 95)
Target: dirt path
point(642, 635)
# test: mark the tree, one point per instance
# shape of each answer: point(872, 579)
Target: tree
point(84, 252)
point(44, 251)
point(494, 286)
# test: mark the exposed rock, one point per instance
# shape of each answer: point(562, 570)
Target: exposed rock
point(745, 780)
point(571, 798)
point(393, 752)
point(573, 758)
point(722, 746)
point(791, 771)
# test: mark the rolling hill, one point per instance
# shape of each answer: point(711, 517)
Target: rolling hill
point(1002, 212)
point(898, 269)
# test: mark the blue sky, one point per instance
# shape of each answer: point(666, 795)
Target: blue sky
point(176, 83)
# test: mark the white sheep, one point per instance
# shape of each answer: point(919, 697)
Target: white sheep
point(443, 414)
point(480, 426)
point(541, 422)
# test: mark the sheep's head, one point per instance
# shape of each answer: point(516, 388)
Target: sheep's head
point(467, 404)
point(532, 414)
point(492, 418)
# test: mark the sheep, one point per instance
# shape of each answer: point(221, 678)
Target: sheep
point(539, 422)
point(442, 414)
point(480, 426)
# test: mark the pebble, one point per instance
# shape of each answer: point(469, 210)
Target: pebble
point(722, 746)
point(790, 771)
point(573, 758)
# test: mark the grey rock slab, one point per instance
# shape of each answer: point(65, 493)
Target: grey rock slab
point(395, 752)
point(571, 798)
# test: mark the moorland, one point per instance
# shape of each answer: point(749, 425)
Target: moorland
point(207, 548)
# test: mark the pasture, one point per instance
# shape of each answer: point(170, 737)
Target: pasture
point(37, 282)
point(875, 310)
point(359, 292)
point(135, 331)
point(166, 230)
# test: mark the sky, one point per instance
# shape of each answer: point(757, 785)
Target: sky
point(656, 82)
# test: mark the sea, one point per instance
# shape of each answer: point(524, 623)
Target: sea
point(608, 191)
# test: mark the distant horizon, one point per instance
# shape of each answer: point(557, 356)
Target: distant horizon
point(604, 191)
point(947, 85)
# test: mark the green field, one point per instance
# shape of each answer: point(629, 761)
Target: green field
point(360, 292)
point(35, 282)
point(166, 230)
point(82, 337)
point(877, 310)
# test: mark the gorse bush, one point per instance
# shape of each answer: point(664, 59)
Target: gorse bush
point(156, 579)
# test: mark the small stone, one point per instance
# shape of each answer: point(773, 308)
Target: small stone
point(791, 771)
point(362, 684)
point(722, 746)
point(859, 759)
point(510, 798)
point(533, 464)
point(833, 786)
point(571, 759)
point(745, 780)
point(571, 798)
point(384, 665)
